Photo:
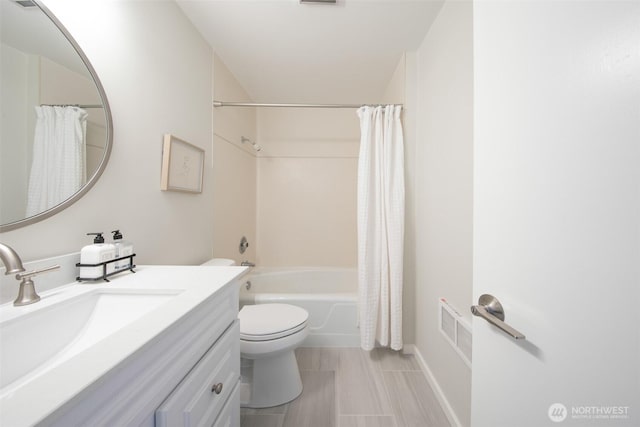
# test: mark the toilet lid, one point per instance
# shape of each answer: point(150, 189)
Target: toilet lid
point(262, 322)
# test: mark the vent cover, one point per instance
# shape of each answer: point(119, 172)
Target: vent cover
point(456, 330)
point(317, 1)
point(25, 3)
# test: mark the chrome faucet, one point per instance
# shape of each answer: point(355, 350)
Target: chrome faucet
point(13, 264)
point(247, 264)
point(11, 260)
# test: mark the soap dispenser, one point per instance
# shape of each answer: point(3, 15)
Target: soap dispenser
point(96, 253)
point(123, 248)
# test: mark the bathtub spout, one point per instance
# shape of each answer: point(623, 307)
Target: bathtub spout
point(247, 264)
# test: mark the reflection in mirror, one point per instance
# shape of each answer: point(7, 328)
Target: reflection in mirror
point(55, 122)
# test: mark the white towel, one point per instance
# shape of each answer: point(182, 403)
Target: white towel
point(380, 226)
point(58, 169)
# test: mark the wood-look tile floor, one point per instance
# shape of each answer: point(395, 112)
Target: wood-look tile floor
point(349, 387)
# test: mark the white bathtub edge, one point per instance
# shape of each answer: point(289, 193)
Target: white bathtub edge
point(330, 298)
point(265, 297)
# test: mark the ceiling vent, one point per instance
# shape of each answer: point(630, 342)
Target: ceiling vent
point(25, 3)
point(317, 1)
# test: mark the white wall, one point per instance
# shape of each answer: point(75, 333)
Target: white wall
point(295, 200)
point(397, 93)
point(61, 85)
point(307, 173)
point(307, 184)
point(443, 196)
point(395, 90)
point(14, 153)
point(234, 170)
point(157, 73)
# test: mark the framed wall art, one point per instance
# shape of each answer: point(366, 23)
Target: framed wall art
point(182, 166)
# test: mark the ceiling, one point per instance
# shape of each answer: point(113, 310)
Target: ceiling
point(284, 51)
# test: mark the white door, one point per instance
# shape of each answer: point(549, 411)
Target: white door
point(557, 212)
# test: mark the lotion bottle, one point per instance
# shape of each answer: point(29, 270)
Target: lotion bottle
point(96, 253)
point(123, 248)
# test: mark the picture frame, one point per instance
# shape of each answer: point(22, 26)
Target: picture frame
point(182, 166)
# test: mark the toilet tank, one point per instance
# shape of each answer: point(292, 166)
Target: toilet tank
point(220, 262)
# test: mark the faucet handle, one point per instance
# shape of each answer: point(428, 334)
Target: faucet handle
point(30, 274)
point(27, 293)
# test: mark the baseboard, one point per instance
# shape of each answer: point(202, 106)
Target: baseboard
point(442, 399)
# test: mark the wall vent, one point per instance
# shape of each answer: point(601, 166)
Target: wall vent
point(317, 1)
point(25, 3)
point(456, 330)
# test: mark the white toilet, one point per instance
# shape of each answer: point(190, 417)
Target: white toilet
point(269, 335)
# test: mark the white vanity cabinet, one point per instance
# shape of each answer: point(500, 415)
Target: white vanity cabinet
point(201, 396)
point(172, 380)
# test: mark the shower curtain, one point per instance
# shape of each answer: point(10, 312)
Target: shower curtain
point(380, 226)
point(58, 169)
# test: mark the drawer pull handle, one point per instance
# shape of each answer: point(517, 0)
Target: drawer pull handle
point(217, 388)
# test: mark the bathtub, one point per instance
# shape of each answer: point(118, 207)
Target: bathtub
point(328, 294)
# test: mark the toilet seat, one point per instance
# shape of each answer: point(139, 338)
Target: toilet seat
point(265, 322)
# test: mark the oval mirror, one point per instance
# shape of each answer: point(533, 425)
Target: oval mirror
point(56, 128)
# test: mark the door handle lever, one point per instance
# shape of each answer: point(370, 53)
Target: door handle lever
point(490, 309)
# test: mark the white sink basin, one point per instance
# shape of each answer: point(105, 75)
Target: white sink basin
point(42, 338)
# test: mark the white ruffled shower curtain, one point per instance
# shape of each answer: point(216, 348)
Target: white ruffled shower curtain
point(380, 226)
point(58, 169)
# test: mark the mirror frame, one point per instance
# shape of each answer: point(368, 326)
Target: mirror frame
point(109, 125)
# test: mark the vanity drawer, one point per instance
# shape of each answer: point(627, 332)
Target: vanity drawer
point(199, 398)
point(230, 414)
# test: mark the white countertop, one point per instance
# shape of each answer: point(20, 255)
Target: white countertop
point(34, 401)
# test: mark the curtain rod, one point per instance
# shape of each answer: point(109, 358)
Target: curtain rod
point(256, 104)
point(74, 105)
